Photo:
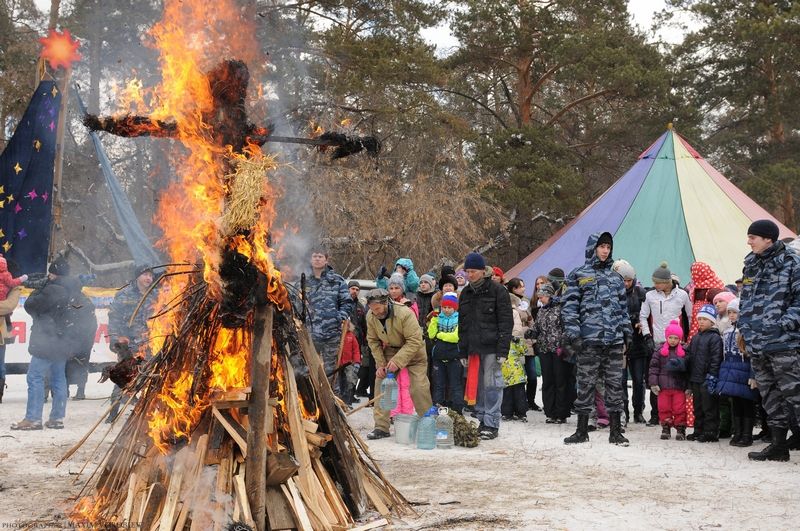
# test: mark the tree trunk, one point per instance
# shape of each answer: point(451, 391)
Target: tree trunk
point(55, 5)
point(95, 72)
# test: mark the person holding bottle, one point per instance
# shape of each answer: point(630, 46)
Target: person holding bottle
point(395, 340)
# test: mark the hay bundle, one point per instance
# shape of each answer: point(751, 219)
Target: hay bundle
point(247, 192)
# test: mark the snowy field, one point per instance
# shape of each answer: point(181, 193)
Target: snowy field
point(525, 479)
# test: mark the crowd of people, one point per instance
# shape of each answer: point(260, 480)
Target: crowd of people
point(719, 358)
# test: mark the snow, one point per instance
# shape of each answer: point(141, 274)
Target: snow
point(525, 479)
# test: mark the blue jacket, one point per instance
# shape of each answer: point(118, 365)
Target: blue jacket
point(329, 304)
point(734, 372)
point(595, 303)
point(769, 315)
point(411, 278)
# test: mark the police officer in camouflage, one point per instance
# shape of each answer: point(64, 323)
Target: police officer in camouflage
point(130, 338)
point(769, 321)
point(597, 329)
point(329, 303)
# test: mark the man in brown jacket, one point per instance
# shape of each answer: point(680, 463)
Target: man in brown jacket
point(395, 339)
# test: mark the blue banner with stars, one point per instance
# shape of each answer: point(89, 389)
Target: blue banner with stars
point(26, 183)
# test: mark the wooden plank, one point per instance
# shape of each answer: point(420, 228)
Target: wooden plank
point(223, 486)
point(279, 513)
point(297, 505)
point(318, 439)
point(233, 428)
point(375, 498)
point(241, 497)
point(332, 493)
point(127, 511)
point(259, 416)
point(168, 514)
point(151, 508)
point(310, 426)
point(372, 525)
point(281, 466)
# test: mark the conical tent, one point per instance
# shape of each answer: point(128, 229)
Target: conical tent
point(672, 206)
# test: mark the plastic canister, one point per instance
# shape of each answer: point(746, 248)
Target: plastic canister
point(444, 429)
point(426, 431)
point(388, 399)
point(405, 428)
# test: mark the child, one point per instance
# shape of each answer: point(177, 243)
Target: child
point(405, 405)
point(448, 362)
point(346, 381)
point(667, 380)
point(721, 301)
point(705, 356)
point(7, 281)
point(735, 381)
point(515, 402)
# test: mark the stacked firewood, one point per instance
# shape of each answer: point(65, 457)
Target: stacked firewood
point(278, 454)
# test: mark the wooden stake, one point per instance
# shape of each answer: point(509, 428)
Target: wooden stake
point(365, 404)
point(260, 416)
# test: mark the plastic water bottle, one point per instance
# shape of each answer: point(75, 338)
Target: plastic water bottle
point(426, 431)
point(389, 393)
point(444, 429)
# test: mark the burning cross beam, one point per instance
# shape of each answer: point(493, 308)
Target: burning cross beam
point(227, 120)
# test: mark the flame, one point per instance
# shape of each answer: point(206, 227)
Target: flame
point(87, 510)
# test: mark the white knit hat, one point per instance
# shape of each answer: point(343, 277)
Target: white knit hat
point(733, 306)
point(625, 269)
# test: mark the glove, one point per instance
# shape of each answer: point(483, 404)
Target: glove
point(711, 384)
point(356, 366)
point(23, 278)
point(383, 272)
point(655, 389)
point(463, 362)
point(651, 345)
point(501, 359)
point(529, 334)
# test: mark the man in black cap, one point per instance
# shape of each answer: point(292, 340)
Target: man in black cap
point(769, 321)
point(130, 338)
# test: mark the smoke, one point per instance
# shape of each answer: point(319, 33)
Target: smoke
point(197, 497)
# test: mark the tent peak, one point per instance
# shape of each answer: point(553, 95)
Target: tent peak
point(669, 126)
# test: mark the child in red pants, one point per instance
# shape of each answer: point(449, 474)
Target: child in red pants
point(667, 380)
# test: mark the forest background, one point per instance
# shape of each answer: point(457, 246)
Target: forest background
point(491, 144)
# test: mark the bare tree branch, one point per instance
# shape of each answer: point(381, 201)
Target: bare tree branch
point(100, 268)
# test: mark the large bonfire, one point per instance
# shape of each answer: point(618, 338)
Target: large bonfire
point(235, 422)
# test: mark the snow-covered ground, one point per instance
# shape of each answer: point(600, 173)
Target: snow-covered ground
point(525, 479)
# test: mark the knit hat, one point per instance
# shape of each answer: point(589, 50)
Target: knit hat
point(59, 267)
point(726, 296)
point(429, 279)
point(450, 300)
point(604, 238)
point(397, 279)
point(662, 274)
point(765, 228)
point(498, 272)
point(141, 269)
point(733, 305)
point(448, 279)
point(556, 276)
point(474, 261)
point(377, 295)
point(673, 329)
point(461, 274)
point(354, 284)
point(546, 290)
point(625, 269)
point(447, 270)
point(708, 311)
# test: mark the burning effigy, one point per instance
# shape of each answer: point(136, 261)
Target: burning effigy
point(234, 421)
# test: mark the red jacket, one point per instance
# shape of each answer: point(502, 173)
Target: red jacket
point(351, 352)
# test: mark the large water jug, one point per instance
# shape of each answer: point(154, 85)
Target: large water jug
point(388, 393)
point(426, 431)
point(405, 428)
point(444, 429)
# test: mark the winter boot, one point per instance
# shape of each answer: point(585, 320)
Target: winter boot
point(581, 434)
point(2, 388)
point(746, 437)
point(665, 432)
point(777, 451)
point(615, 435)
point(638, 418)
point(680, 433)
point(736, 424)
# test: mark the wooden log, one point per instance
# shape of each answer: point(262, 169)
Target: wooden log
point(375, 497)
point(332, 493)
point(310, 426)
point(281, 466)
point(179, 469)
point(372, 525)
point(128, 510)
point(318, 439)
point(223, 487)
point(365, 404)
point(151, 508)
point(259, 415)
point(233, 428)
point(280, 514)
point(303, 521)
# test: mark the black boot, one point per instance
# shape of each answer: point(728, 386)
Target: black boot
point(746, 438)
point(777, 451)
point(736, 425)
point(665, 432)
point(680, 433)
point(615, 435)
point(581, 434)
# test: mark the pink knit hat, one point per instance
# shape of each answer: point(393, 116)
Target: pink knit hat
point(726, 296)
point(673, 329)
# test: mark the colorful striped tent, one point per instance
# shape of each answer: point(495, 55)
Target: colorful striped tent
point(670, 206)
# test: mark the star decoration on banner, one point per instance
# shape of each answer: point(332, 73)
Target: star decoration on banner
point(17, 168)
point(60, 49)
point(52, 125)
point(2, 189)
point(44, 197)
point(32, 194)
point(54, 92)
point(17, 209)
point(22, 234)
point(10, 198)
point(37, 145)
point(6, 246)
point(2, 234)
point(2, 204)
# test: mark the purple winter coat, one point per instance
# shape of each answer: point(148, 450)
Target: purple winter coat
point(661, 376)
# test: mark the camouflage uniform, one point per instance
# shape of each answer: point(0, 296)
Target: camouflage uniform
point(119, 314)
point(595, 309)
point(329, 303)
point(769, 321)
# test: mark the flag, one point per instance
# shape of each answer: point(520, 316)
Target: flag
point(26, 183)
